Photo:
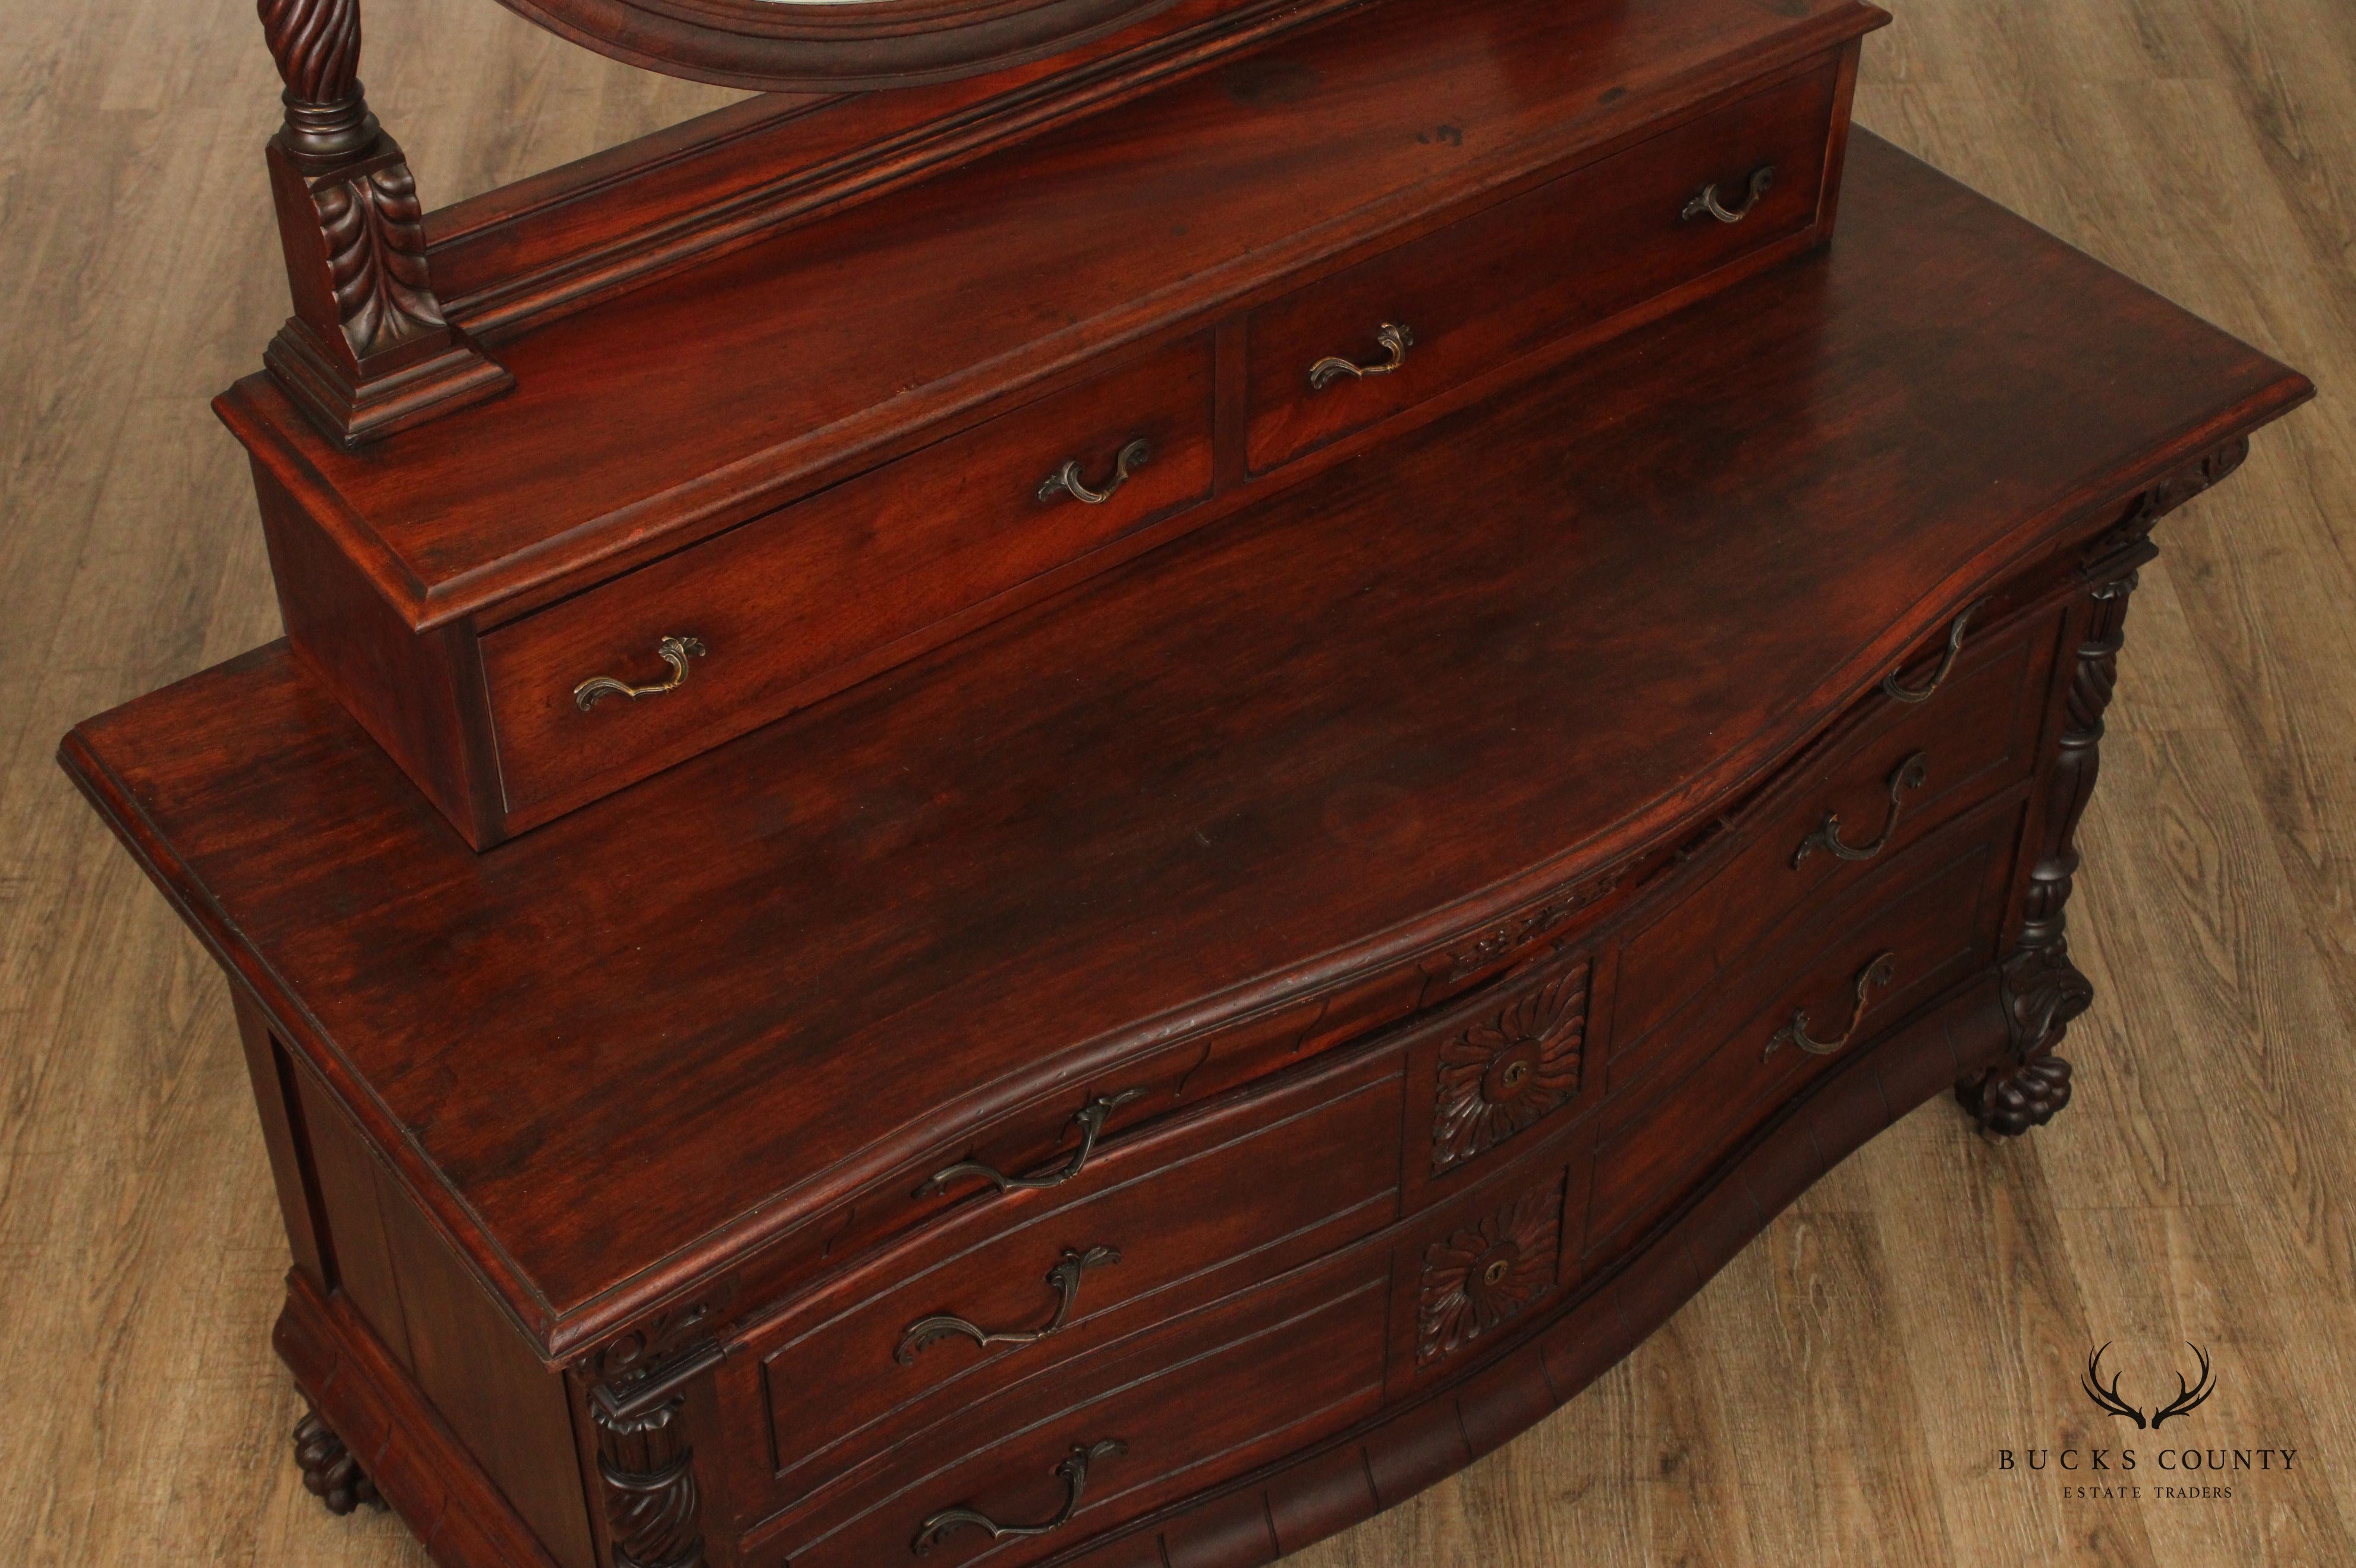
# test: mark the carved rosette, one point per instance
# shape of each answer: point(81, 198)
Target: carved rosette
point(329, 1472)
point(1480, 1278)
point(2041, 989)
point(652, 1505)
point(1504, 1073)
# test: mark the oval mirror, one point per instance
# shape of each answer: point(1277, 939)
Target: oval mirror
point(829, 45)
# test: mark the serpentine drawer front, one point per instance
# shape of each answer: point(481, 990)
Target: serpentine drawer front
point(1201, 1063)
point(1352, 348)
point(1017, 1284)
point(1850, 967)
point(1900, 769)
point(784, 601)
point(1114, 1433)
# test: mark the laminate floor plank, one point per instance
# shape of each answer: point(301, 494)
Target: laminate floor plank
point(1837, 1396)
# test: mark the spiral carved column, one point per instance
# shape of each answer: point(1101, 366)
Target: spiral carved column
point(368, 350)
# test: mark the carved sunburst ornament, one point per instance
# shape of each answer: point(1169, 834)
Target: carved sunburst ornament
point(1504, 1073)
point(1479, 1277)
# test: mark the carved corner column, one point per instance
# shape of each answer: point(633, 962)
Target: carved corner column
point(368, 350)
point(2040, 988)
point(646, 1467)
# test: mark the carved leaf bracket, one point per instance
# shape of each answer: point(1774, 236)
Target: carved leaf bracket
point(2041, 990)
point(368, 350)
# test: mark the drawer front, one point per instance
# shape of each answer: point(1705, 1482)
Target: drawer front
point(1854, 968)
point(1903, 771)
point(786, 608)
point(1117, 1434)
point(1167, 1221)
point(1497, 1071)
point(1468, 1272)
point(1537, 267)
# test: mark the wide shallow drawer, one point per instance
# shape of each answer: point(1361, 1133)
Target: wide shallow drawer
point(1117, 1433)
point(1193, 1211)
point(1537, 267)
point(1848, 971)
point(779, 612)
point(1901, 770)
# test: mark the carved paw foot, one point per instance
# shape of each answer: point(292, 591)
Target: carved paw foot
point(329, 1472)
point(2010, 1099)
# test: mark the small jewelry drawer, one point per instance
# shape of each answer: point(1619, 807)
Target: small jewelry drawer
point(1014, 1285)
point(1851, 966)
point(1115, 1433)
point(682, 654)
point(1354, 347)
point(1964, 728)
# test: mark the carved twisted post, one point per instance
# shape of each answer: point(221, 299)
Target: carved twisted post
point(368, 350)
point(2043, 990)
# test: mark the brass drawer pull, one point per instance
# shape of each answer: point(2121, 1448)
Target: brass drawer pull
point(1073, 1472)
point(1912, 774)
point(1881, 972)
point(675, 651)
point(1394, 339)
point(1066, 480)
point(1706, 205)
point(1930, 688)
point(1090, 1120)
point(1064, 1279)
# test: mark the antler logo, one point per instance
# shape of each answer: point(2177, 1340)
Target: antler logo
point(2187, 1397)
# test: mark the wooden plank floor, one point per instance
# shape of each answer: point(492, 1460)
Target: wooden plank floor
point(1837, 1396)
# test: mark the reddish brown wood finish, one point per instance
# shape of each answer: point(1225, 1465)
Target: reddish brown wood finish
point(581, 1128)
point(758, 378)
point(782, 605)
point(915, 877)
point(368, 350)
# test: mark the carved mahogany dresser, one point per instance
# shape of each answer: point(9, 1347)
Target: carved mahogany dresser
point(1094, 788)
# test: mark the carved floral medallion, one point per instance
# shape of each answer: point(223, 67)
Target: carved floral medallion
point(1502, 1074)
point(1483, 1276)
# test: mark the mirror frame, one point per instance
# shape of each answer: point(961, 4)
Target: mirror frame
point(830, 46)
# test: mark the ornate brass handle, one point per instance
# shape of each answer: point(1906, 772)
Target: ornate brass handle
point(1706, 203)
point(1912, 774)
point(1064, 1279)
point(1394, 339)
point(1090, 1119)
point(1066, 480)
point(1881, 972)
point(675, 651)
point(1930, 688)
point(1073, 1472)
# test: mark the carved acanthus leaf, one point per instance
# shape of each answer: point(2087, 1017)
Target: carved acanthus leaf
point(375, 231)
point(653, 1507)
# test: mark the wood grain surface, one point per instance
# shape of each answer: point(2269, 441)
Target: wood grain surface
point(1837, 1396)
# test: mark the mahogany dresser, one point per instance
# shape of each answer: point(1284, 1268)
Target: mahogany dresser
point(1138, 820)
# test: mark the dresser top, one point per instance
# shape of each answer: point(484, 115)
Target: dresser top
point(1382, 710)
point(695, 402)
